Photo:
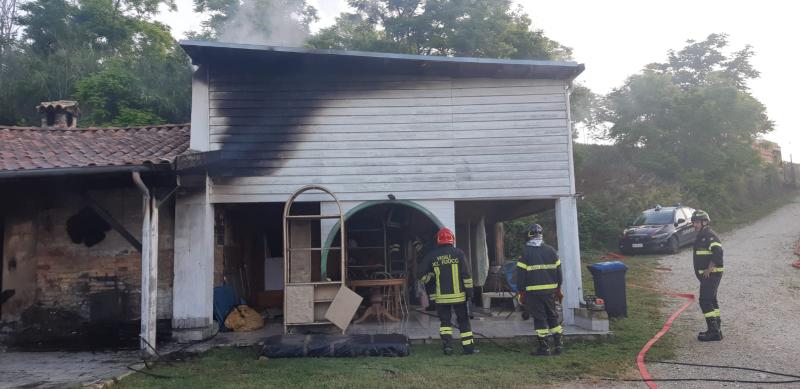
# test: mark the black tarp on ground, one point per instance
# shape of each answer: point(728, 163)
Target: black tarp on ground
point(293, 346)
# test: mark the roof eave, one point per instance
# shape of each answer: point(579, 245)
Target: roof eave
point(85, 170)
point(202, 52)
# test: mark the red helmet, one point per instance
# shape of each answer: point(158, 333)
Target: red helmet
point(445, 236)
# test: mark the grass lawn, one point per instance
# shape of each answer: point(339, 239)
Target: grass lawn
point(427, 367)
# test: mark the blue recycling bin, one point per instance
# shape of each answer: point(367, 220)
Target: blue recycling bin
point(609, 284)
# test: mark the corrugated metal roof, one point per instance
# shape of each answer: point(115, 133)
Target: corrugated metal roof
point(203, 52)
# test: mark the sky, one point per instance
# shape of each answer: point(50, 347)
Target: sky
point(617, 38)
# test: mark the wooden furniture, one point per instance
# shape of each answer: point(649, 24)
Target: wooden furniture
point(392, 303)
point(305, 301)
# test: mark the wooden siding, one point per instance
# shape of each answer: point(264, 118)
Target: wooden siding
point(366, 137)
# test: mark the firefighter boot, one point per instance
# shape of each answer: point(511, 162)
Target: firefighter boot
point(703, 333)
point(709, 320)
point(446, 346)
point(470, 349)
point(543, 346)
point(558, 343)
point(713, 333)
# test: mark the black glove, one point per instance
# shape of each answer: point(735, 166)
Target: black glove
point(469, 293)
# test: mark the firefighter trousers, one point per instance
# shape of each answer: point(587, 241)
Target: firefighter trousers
point(708, 295)
point(542, 308)
point(445, 313)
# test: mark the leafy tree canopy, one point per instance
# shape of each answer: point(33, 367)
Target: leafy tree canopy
point(107, 54)
point(692, 118)
point(469, 28)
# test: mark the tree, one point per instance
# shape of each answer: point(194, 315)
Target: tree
point(8, 25)
point(275, 22)
point(469, 28)
point(692, 118)
point(89, 49)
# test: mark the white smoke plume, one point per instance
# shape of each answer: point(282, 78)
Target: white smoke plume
point(267, 22)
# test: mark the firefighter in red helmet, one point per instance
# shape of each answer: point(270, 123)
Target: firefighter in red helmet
point(448, 267)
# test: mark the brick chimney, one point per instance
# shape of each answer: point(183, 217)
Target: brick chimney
point(59, 114)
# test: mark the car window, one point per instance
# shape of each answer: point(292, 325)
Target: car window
point(654, 217)
point(688, 212)
point(683, 215)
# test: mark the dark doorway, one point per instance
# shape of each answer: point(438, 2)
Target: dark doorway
point(250, 250)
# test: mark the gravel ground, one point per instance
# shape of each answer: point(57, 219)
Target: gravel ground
point(759, 299)
point(760, 304)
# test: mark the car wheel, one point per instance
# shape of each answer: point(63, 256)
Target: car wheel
point(672, 245)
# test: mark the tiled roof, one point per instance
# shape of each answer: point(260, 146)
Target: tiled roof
point(35, 149)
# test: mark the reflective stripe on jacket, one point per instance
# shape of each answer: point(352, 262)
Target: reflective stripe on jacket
point(707, 248)
point(448, 267)
point(539, 270)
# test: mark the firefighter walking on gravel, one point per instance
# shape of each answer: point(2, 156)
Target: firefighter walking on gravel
point(539, 276)
point(447, 265)
point(707, 258)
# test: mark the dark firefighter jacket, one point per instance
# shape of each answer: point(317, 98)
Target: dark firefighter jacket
point(448, 266)
point(539, 270)
point(707, 247)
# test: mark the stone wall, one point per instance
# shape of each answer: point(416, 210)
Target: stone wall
point(49, 271)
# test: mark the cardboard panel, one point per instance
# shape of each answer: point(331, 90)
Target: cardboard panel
point(343, 308)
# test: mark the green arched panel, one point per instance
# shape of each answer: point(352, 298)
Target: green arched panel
point(367, 204)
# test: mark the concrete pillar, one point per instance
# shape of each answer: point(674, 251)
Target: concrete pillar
point(192, 298)
point(569, 253)
point(149, 288)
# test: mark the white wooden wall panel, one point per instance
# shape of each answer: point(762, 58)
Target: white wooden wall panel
point(365, 137)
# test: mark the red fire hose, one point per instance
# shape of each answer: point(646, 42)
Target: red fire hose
point(648, 379)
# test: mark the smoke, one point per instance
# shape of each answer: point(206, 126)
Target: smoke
point(268, 22)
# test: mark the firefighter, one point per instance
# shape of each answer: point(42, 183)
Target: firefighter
point(708, 269)
point(539, 276)
point(448, 266)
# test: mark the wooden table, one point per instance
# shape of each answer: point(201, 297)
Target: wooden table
point(391, 306)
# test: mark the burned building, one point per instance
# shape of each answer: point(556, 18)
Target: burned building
point(407, 143)
point(72, 219)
